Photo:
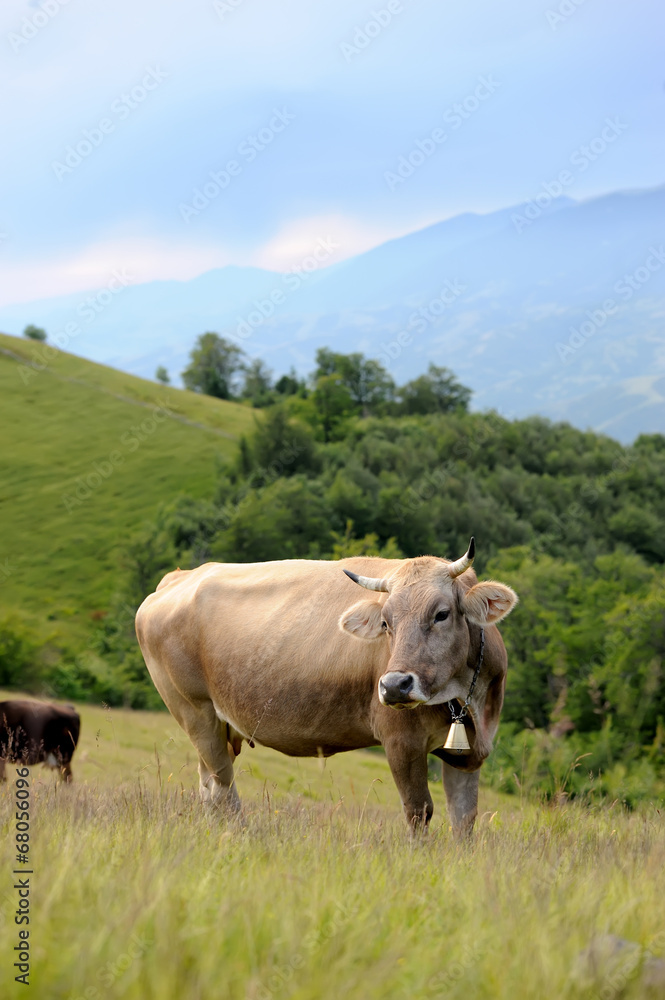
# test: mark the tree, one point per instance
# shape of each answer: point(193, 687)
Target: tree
point(34, 332)
point(162, 375)
point(327, 363)
point(641, 528)
point(289, 385)
point(281, 446)
point(332, 401)
point(257, 385)
point(347, 545)
point(19, 659)
point(436, 392)
point(214, 365)
point(288, 519)
point(632, 675)
point(366, 380)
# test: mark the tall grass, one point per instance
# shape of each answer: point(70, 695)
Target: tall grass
point(321, 894)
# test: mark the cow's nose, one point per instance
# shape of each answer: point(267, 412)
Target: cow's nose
point(395, 687)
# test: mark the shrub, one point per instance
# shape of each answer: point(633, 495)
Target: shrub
point(20, 663)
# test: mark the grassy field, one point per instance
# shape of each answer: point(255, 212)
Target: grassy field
point(130, 442)
point(322, 894)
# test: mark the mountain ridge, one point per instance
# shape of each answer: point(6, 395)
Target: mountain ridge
point(521, 293)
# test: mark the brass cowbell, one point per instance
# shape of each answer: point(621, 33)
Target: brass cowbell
point(457, 740)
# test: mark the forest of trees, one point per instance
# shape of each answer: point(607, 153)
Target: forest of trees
point(345, 463)
point(341, 385)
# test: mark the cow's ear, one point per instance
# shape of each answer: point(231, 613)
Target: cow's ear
point(488, 602)
point(363, 620)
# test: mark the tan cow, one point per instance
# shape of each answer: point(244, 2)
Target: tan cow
point(285, 655)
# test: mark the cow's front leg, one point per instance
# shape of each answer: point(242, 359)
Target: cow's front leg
point(2, 769)
point(408, 764)
point(461, 789)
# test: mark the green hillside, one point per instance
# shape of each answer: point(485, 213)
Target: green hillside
point(88, 453)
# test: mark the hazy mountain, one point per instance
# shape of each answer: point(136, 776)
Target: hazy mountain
point(558, 311)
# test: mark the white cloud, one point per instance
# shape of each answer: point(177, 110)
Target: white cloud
point(149, 258)
point(297, 239)
point(145, 259)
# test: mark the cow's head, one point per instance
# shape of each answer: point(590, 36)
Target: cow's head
point(425, 619)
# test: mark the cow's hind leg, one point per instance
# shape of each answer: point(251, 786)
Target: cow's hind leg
point(216, 781)
point(209, 737)
point(56, 762)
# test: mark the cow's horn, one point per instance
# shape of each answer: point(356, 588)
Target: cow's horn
point(369, 582)
point(457, 567)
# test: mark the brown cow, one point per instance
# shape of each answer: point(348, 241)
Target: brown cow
point(32, 732)
point(284, 654)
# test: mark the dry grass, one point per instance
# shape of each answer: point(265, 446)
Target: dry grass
point(322, 894)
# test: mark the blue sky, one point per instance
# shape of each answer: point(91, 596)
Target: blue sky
point(182, 88)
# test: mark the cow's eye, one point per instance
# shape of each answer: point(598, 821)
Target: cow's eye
point(441, 616)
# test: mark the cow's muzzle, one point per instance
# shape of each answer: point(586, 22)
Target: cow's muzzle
point(400, 690)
